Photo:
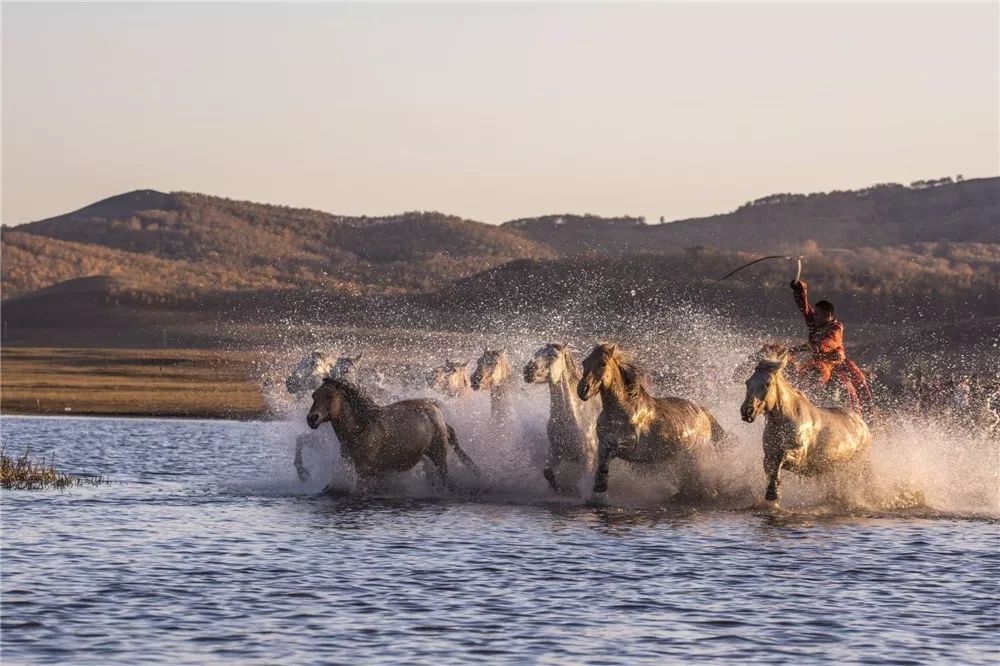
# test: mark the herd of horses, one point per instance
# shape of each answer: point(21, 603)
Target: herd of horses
point(599, 412)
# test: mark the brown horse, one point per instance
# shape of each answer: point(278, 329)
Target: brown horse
point(450, 379)
point(381, 440)
point(637, 427)
point(494, 374)
point(571, 427)
point(798, 435)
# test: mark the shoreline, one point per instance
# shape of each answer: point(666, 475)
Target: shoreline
point(170, 416)
point(130, 383)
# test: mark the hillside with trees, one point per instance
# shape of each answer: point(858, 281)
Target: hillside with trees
point(928, 252)
point(881, 215)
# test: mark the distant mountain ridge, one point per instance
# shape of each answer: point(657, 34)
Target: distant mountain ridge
point(883, 215)
point(182, 244)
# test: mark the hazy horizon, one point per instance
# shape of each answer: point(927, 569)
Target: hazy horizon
point(492, 112)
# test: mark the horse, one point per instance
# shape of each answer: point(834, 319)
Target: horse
point(309, 373)
point(381, 440)
point(450, 379)
point(637, 427)
point(368, 379)
point(571, 427)
point(493, 373)
point(798, 435)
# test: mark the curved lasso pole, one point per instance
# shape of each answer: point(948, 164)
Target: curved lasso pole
point(755, 261)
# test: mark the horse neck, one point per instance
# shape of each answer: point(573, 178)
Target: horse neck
point(615, 398)
point(356, 412)
point(501, 393)
point(562, 394)
point(789, 403)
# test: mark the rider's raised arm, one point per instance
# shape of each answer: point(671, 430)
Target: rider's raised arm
point(801, 291)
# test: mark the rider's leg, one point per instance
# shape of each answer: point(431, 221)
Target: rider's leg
point(860, 383)
point(843, 377)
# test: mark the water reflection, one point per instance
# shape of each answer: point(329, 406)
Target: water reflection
point(212, 550)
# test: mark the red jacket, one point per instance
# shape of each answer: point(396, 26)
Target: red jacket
point(826, 340)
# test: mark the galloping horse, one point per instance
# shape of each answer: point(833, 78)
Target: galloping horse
point(309, 373)
point(493, 373)
point(380, 440)
point(637, 427)
point(571, 428)
point(450, 379)
point(798, 435)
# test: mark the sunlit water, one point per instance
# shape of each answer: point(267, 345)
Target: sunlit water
point(207, 548)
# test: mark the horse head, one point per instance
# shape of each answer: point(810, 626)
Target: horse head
point(346, 368)
point(309, 373)
point(549, 365)
point(492, 370)
point(338, 400)
point(762, 386)
point(607, 366)
point(327, 403)
point(449, 379)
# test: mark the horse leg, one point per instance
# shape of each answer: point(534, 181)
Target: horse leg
point(606, 451)
point(438, 455)
point(550, 476)
point(772, 468)
point(300, 468)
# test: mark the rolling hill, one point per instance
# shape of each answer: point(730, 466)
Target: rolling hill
point(128, 268)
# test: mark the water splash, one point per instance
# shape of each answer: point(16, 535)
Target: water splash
point(921, 465)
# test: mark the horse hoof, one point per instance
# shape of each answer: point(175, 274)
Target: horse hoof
point(771, 496)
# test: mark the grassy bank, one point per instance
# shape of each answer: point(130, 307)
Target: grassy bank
point(128, 382)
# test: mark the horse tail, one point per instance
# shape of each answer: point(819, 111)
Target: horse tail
point(462, 455)
point(718, 434)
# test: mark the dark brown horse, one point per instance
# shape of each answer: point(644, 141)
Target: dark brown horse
point(637, 427)
point(381, 440)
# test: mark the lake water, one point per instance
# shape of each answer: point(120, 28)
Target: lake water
point(207, 548)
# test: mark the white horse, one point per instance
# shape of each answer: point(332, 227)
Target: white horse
point(309, 373)
point(572, 424)
point(494, 374)
point(798, 435)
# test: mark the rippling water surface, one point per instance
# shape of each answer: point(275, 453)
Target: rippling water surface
point(205, 548)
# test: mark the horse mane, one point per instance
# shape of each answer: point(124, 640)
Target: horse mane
point(772, 351)
point(359, 401)
point(633, 376)
point(571, 367)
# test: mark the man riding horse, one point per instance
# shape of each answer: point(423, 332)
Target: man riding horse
point(826, 342)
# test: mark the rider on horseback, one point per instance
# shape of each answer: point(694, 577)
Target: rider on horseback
point(826, 342)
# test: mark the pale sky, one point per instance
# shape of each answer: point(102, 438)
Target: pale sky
point(492, 112)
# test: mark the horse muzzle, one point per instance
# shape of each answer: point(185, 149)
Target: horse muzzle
point(583, 390)
point(312, 420)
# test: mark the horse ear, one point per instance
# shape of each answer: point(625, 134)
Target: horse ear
point(783, 359)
